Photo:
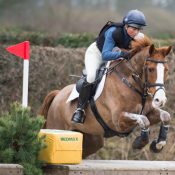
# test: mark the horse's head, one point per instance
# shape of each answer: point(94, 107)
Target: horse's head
point(152, 61)
point(156, 73)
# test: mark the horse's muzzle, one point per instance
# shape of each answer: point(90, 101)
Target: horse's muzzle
point(159, 99)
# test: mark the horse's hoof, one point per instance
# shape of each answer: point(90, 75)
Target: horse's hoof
point(137, 143)
point(157, 147)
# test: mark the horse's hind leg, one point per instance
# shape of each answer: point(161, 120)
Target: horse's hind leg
point(91, 144)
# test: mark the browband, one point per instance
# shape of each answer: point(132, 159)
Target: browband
point(156, 61)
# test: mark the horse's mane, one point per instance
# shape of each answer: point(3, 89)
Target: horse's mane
point(143, 43)
point(139, 44)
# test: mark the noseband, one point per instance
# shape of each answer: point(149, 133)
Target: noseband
point(145, 86)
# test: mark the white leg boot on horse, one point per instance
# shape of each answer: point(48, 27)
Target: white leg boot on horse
point(84, 96)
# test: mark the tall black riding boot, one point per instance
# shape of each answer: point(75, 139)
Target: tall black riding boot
point(84, 96)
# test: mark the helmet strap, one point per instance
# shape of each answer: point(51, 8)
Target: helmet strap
point(126, 26)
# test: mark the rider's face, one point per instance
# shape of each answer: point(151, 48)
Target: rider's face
point(132, 32)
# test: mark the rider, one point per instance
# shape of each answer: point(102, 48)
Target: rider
point(112, 35)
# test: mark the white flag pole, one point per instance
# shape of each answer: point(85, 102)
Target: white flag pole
point(23, 50)
point(25, 83)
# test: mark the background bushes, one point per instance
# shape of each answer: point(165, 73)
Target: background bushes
point(15, 35)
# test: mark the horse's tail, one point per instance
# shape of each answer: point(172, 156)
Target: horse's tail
point(47, 102)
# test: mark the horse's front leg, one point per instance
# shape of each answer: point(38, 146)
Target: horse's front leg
point(127, 120)
point(163, 116)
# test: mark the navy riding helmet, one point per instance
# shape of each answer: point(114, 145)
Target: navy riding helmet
point(135, 18)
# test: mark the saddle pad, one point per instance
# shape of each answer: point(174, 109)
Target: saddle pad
point(74, 94)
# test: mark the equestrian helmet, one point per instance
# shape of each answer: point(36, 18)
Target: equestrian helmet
point(135, 18)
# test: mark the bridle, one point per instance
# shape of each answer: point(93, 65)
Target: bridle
point(144, 86)
point(154, 84)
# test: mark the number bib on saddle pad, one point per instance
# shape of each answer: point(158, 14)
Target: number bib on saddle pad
point(63, 146)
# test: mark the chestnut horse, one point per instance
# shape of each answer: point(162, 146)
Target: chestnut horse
point(119, 105)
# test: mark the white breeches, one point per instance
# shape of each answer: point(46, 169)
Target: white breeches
point(93, 61)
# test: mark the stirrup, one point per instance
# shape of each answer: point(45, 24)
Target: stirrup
point(79, 109)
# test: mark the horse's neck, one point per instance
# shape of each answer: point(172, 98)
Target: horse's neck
point(115, 90)
point(138, 61)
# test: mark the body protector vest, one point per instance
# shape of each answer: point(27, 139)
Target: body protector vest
point(117, 35)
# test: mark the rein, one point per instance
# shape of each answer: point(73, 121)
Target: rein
point(145, 86)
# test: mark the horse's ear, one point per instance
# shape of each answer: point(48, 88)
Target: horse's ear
point(152, 50)
point(167, 51)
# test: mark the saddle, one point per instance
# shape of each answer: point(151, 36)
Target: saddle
point(99, 74)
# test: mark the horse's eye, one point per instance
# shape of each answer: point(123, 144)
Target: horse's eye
point(150, 70)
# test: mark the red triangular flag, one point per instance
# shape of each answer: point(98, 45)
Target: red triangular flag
point(21, 50)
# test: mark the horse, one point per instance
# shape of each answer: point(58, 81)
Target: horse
point(132, 96)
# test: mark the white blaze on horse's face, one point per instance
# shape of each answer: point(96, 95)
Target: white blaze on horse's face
point(159, 97)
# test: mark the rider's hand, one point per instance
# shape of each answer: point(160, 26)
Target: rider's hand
point(125, 55)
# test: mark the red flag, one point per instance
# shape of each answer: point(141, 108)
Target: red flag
point(21, 50)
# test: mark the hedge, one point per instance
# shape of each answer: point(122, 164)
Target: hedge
point(15, 35)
